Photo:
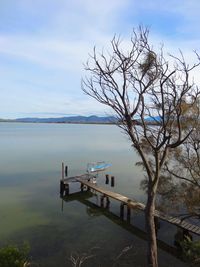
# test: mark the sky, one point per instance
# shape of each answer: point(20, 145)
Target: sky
point(45, 43)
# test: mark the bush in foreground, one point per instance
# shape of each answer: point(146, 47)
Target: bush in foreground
point(14, 256)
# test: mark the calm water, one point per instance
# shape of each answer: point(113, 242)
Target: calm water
point(31, 209)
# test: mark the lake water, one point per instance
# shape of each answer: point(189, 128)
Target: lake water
point(31, 209)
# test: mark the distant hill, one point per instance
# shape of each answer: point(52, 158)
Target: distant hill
point(81, 119)
point(154, 120)
point(72, 119)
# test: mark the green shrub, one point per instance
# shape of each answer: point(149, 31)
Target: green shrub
point(191, 250)
point(14, 256)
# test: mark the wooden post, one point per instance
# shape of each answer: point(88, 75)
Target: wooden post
point(112, 181)
point(63, 170)
point(66, 171)
point(107, 178)
point(88, 188)
point(107, 203)
point(62, 188)
point(82, 187)
point(66, 189)
point(102, 201)
point(128, 213)
point(122, 210)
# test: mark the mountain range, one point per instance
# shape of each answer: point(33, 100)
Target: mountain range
point(81, 119)
point(72, 119)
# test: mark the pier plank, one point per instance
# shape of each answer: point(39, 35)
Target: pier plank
point(133, 204)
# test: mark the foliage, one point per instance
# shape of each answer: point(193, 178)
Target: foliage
point(141, 85)
point(14, 256)
point(182, 168)
point(191, 250)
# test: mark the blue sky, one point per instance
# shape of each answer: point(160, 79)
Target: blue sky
point(44, 43)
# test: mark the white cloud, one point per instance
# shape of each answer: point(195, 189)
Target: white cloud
point(49, 57)
point(45, 52)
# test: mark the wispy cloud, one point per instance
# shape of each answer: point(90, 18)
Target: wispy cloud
point(43, 45)
point(49, 53)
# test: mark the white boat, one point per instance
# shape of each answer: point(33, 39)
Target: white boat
point(97, 166)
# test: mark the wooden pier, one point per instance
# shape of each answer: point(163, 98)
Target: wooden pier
point(125, 202)
point(96, 210)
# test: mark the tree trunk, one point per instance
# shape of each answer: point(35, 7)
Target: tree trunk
point(152, 256)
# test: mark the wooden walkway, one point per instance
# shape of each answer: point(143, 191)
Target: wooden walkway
point(133, 204)
point(83, 197)
point(83, 177)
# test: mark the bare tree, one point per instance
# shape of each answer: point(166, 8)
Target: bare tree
point(147, 93)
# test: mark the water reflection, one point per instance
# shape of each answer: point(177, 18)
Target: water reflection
point(31, 156)
point(93, 208)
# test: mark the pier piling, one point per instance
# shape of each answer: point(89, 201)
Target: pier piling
point(112, 181)
point(107, 178)
point(107, 203)
point(124, 201)
point(102, 201)
point(128, 213)
point(122, 210)
point(63, 166)
point(64, 188)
